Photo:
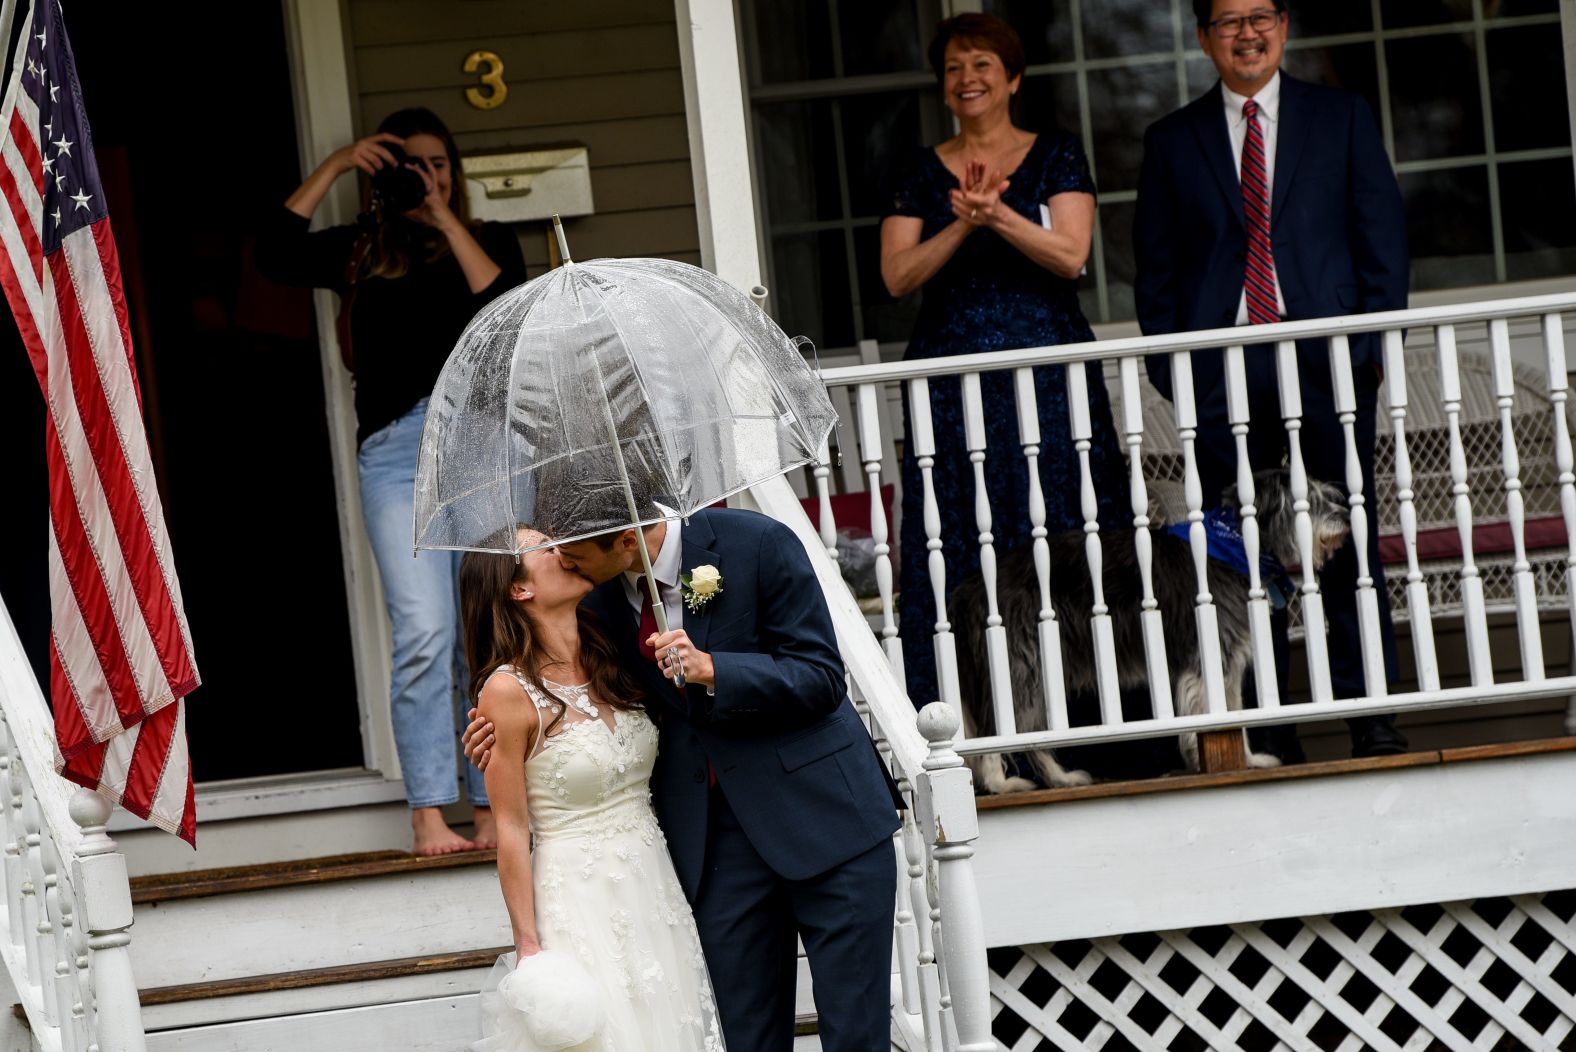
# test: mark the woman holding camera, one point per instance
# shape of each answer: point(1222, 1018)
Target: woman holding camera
point(409, 283)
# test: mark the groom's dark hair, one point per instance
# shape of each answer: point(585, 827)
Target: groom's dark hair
point(605, 541)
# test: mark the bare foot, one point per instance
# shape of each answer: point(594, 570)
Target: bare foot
point(433, 835)
point(485, 836)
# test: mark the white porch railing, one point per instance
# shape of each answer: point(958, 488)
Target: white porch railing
point(941, 992)
point(63, 932)
point(868, 392)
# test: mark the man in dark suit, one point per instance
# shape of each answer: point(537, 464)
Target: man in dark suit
point(775, 806)
point(1266, 199)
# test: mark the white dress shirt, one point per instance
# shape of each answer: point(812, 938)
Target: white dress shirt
point(666, 568)
point(1268, 99)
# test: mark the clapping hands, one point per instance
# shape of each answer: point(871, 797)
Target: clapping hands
point(977, 201)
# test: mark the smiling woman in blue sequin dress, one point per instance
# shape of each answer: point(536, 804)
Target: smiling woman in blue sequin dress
point(964, 223)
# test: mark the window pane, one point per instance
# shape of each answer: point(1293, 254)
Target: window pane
point(1046, 27)
point(798, 161)
point(1116, 230)
point(1331, 16)
point(811, 276)
point(1048, 101)
point(882, 36)
point(879, 131)
point(1537, 201)
point(885, 319)
point(1517, 8)
point(794, 39)
point(1448, 227)
point(1116, 28)
point(1123, 101)
point(1527, 78)
point(1354, 67)
point(1434, 102)
point(1398, 13)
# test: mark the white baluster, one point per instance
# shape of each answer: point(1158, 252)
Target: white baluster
point(1204, 613)
point(32, 880)
point(11, 810)
point(905, 938)
point(1053, 687)
point(1265, 675)
point(57, 900)
point(1422, 622)
point(104, 912)
point(950, 826)
point(1473, 614)
point(49, 938)
point(1143, 545)
point(827, 527)
point(995, 631)
point(1100, 616)
point(927, 969)
point(1559, 394)
point(870, 451)
point(925, 457)
point(1314, 641)
point(1375, 681)
point(1526, 586)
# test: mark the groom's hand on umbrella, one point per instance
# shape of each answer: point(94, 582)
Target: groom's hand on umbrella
point(676, 646)
point(478, 740)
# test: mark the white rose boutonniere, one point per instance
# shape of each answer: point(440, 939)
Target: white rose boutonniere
point(700, 586)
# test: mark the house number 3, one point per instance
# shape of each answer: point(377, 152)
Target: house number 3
point(492, 78)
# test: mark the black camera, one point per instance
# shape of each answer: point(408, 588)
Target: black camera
point(397, 188)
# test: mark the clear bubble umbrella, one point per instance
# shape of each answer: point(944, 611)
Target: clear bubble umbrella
point(579, 401)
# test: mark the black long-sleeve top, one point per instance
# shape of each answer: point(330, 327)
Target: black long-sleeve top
point(402, 329)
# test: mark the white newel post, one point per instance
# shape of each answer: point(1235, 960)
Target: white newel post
point(104, 905)
point(950, 825)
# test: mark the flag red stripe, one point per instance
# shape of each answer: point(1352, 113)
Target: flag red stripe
point(26, 326)
point(142, 564)
point(109, 263)
point(147, 761)
point(88, 586)
point(24, 222)
point(27, 146)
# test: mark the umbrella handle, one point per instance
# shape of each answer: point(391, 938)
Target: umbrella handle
point(678, 667)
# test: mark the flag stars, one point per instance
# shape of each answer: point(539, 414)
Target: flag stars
point(41, 41)
point(81, 198)
point(63, 146)
point(56, 215)
point(54, 92)
point(60, 179)
point(32, 67)
point(49, 163)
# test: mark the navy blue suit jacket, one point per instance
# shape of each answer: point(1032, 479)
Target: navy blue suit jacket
point(1337, 228)
point(792, 756)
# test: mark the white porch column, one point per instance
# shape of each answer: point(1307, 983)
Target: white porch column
point(714, 110)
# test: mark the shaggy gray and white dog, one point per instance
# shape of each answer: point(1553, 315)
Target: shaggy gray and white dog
point(1176, 587)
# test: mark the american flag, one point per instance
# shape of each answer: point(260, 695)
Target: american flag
point(121, 654)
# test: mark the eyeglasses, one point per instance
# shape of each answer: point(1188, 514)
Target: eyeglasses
point(1230, 26)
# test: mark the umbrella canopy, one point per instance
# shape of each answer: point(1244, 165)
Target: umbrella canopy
point(578, 401)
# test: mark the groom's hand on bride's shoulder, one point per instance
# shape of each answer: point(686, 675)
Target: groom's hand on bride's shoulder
point(478, 740)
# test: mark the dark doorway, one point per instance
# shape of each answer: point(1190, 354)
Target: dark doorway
point(194, 134)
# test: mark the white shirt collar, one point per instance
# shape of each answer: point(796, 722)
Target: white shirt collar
point(669, 561)
point(1268, 99)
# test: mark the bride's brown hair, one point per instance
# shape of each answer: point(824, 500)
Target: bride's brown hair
point(499, 631)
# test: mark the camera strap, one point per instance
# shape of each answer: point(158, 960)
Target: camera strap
point(347, 298)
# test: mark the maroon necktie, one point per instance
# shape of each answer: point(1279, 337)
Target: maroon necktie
point(1259, 282)
point(648, 621)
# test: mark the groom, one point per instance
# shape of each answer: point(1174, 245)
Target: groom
point(776, 810)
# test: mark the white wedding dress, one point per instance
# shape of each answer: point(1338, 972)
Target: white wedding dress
point(606, 892)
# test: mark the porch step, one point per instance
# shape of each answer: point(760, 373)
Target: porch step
point(341, 953)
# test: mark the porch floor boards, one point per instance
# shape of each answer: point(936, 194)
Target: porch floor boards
point(1291, 772)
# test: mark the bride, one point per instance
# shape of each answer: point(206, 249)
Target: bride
point(570, 767)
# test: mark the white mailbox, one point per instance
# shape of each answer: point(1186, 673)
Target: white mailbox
point(530, 184)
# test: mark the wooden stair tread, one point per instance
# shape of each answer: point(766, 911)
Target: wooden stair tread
point(1292, 772)
point(162, 887)
point(345, 973)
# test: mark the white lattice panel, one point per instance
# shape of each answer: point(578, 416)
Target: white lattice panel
point(1492, 975)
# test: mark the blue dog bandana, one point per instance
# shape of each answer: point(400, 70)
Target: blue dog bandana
point(1223, 534)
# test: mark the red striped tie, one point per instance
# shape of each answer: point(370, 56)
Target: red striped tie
point(1259, 282)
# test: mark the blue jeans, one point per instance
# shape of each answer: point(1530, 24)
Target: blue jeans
point(429, 677)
